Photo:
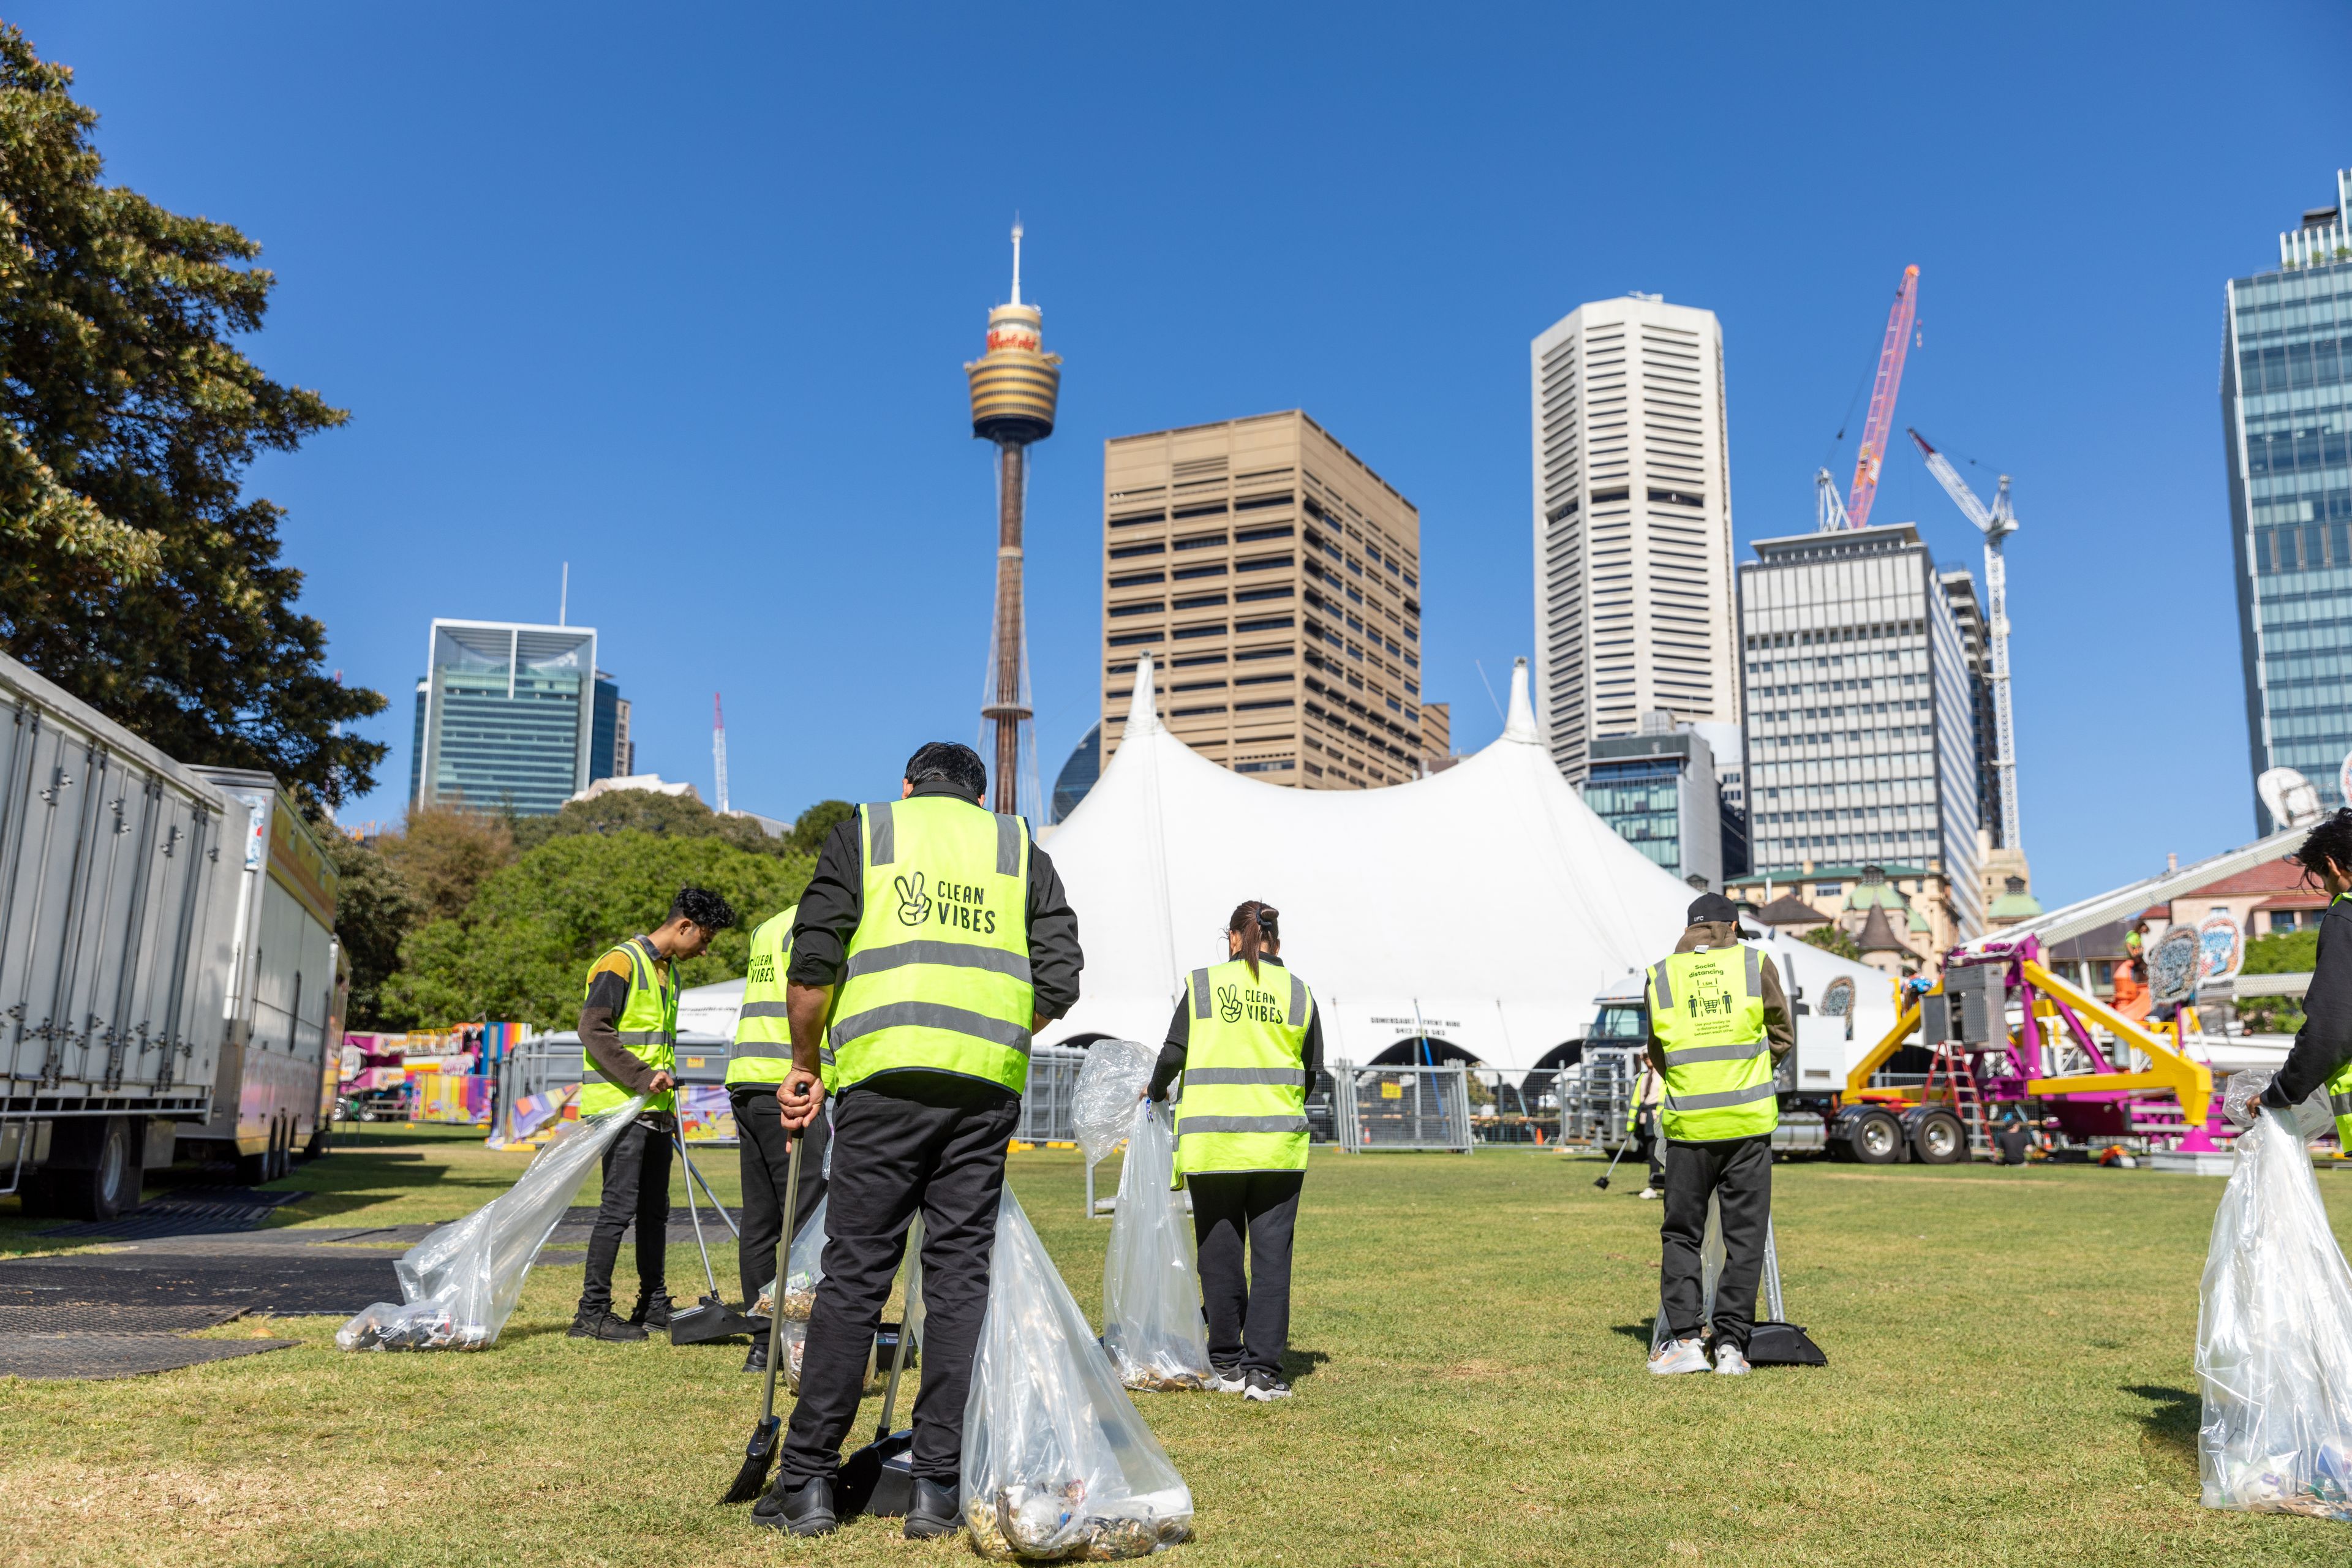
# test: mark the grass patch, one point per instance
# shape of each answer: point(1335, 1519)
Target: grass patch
point(2010, 1383)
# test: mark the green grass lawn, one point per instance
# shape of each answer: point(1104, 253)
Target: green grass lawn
point(2010, 1382)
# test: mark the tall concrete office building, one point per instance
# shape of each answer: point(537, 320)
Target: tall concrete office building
point(1861, 730)
point(1632, 525)
point(506, 716)
point(2286, 419)
point(1276, 581)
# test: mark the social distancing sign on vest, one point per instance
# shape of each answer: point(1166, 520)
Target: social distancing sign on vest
point(937, 975)
point(1243, 1096)
point(764, 1035)
point(1707, 1009)
point(648, 1026)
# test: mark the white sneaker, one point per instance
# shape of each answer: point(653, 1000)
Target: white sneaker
point(1223, 1381)
point(1679, 1355)
point(1651, 1192)
point(1729, 1361)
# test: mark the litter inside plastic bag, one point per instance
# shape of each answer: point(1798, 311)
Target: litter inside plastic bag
point(1114, 1076)
point(803, 1267)
point(2275, 1331)
point(1152, 1282)
point(1057, 1463)
point(460, 1283)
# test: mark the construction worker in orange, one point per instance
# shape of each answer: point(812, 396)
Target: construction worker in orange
point(2131, 975)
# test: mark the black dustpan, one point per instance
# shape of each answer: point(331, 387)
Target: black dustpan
point(1774, 1343)
point(877, 1479)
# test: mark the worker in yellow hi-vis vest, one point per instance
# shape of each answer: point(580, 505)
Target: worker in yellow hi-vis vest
point(761, 1057)
point(628, 1045)
point(1718, 1023)
point(932, 942)
point(1247, 1041)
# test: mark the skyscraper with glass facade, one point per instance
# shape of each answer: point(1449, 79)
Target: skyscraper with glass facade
point(506, 716)
point(2286, 419)
point(1861, 735)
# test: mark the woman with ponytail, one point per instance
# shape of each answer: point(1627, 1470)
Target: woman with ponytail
point(1247, 1042)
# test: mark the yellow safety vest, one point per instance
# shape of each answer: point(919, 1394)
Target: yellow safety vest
point(648, 1026)
point(1244, 1100)
point(1707, 1009)
point(937, 974)
point(763, 1037)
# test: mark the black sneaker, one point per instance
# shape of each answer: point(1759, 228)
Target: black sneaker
point(805, 1509)
point(933, 1511)
point(1226, 1380)
point(653, 1312)
point(758, 1360)
point(1264, 1385)
point(598, 1323)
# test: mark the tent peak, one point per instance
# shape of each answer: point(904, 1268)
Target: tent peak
point(1521, 724)
point(1142, 716)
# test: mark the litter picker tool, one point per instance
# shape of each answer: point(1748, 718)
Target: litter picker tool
point(708, 1319)
point(1602, 1181)
point(760, 1451)
point(878, 1478)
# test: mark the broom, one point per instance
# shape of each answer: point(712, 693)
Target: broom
point(759, 1453)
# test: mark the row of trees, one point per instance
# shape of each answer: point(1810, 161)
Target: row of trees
point(465, 914)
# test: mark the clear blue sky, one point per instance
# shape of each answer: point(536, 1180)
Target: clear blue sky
point(682, 296)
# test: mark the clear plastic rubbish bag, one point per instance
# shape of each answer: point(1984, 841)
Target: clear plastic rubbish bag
point(2275, 1331)
point(1057, 1463)
point(803, 1267)
point(460, 1284)
point(1114, 1076)
point(1152, 1282)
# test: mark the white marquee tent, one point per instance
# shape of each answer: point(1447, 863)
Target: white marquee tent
point(1485, 907)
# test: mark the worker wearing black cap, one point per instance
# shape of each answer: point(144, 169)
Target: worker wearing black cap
point(1718, 1024)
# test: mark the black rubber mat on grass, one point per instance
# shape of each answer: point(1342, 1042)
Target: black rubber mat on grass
point(280, 1279)
point(109, 1318)
point(91, 1356)
point(201, 1211)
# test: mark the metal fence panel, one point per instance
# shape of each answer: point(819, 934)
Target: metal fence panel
point(1596, 1095)
point(1403, 1108)
point(1046, 1104)
point(1508, 1107)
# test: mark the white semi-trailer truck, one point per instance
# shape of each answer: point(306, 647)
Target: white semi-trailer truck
point(170, 981)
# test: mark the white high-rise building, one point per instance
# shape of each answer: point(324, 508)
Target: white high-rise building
point(1632, 525)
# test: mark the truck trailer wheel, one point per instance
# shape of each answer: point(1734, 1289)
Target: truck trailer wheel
point(1938, 1139)
point(94, 1168)
point(1876, 1139)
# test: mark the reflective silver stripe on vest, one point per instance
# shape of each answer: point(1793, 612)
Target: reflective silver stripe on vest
point(1665, 991)
point(886, 836)
point(1755, 980)
point(824, 1055)
point(932, 1015)
point(1691, 1055)
point(1298, 1002)
point(647, 1038)
point(1287, 1076)
point(2340, 1103)
point(959, 954)
point(763, 1048)
point(1199, 994)
point(1749, 1096)
point(1008, 846)
point(764, 1010)
point(1191, 1125)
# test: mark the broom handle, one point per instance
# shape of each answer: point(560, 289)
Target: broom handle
point(696, 1215)
point(693, 1172)
point(783, 1262)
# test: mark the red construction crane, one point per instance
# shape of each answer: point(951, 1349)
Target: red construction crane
point(1882, 401)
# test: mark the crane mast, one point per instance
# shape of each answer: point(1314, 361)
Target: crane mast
point(1997, 521)
point(718, 749)
point(1882, 400)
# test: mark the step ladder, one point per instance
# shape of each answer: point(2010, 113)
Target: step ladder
point(1959, 1083)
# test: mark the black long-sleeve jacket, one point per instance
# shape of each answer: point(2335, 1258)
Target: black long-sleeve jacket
point(2323, 1044)
point(836, 901)
point(1179, 1040)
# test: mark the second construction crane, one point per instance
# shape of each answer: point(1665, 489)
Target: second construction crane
point(1998, 522)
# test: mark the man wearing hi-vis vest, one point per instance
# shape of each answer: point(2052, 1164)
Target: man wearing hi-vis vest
point(2322, 1056)
point(933, 940)
point(762, 1056)
point(1718, 1023)
point(1247, 1041)
point(628, 1044)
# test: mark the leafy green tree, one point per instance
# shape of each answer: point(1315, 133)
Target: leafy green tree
point(375, 908)
point(522, 947)
point(446, 852)
point(647, 811)
point(1829, 938)
point(2283, 952)
point(811, 828)
point(134, 571)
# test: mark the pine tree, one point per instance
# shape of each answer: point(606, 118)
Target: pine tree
point(134, 571)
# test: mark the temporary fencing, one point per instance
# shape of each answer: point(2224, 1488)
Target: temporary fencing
point(1402, 1108)
point(1596, 1095)
point(1507, 1107)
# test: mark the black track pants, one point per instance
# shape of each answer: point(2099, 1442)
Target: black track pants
point(1249, 1316)
point(636, 1192)
point(765, 1161)
point(1738, 1173)
point(898, 1150)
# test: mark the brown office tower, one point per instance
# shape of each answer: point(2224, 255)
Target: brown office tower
point(1276, 582)
point(1015, 386)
